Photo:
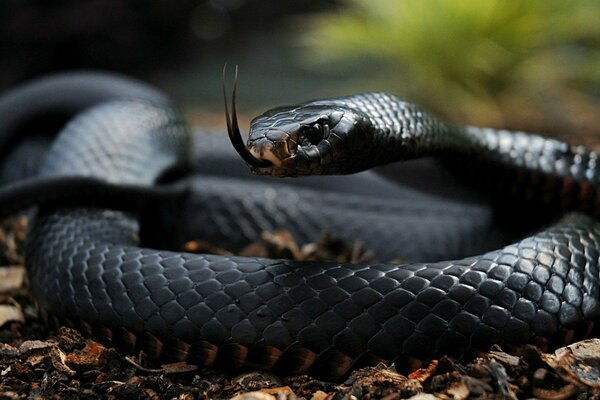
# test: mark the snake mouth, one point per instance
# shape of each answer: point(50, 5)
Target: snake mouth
point(277, 152)
point(233, 128)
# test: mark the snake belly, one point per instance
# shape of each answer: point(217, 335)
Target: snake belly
point(86, 269)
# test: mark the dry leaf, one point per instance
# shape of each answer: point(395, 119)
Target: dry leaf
point(458, 391)
point(423, 396)
point(178, 367)
point(577, 363)
point(422, 374)
point(254, 396)
point(11, 278)
point(10, 313)
point(59, 358)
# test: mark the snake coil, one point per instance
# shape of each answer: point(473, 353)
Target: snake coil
point(86, 267)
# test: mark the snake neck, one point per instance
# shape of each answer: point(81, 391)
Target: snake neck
point(537, 169)
point(517, 165)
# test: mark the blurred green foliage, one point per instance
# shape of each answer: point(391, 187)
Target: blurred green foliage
point(478, 61)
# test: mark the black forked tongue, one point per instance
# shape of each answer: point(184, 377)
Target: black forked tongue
point(233, 128)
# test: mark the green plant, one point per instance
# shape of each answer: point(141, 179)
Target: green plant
point(480, 61)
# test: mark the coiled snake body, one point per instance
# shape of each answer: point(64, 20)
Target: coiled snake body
point(86, 267)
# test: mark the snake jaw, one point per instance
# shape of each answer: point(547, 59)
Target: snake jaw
point(265, 151)
point(276, 147)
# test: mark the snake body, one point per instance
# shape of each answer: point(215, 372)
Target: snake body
point(86, 267)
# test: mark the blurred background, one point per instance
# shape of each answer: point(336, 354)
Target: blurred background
point(519, 64)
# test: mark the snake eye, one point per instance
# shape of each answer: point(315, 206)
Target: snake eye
point(315, 133)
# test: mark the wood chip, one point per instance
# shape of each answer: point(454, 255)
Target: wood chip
point(505, 358)
point(92, 356)
point(321, 395)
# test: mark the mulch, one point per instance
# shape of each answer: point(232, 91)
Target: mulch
point(37, 362)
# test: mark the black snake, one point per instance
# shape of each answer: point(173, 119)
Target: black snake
point(86, 267)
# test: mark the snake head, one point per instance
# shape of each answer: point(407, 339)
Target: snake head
point(314, 138)
point(309, 139)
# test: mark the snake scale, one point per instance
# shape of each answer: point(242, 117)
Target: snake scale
point(87, 268)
